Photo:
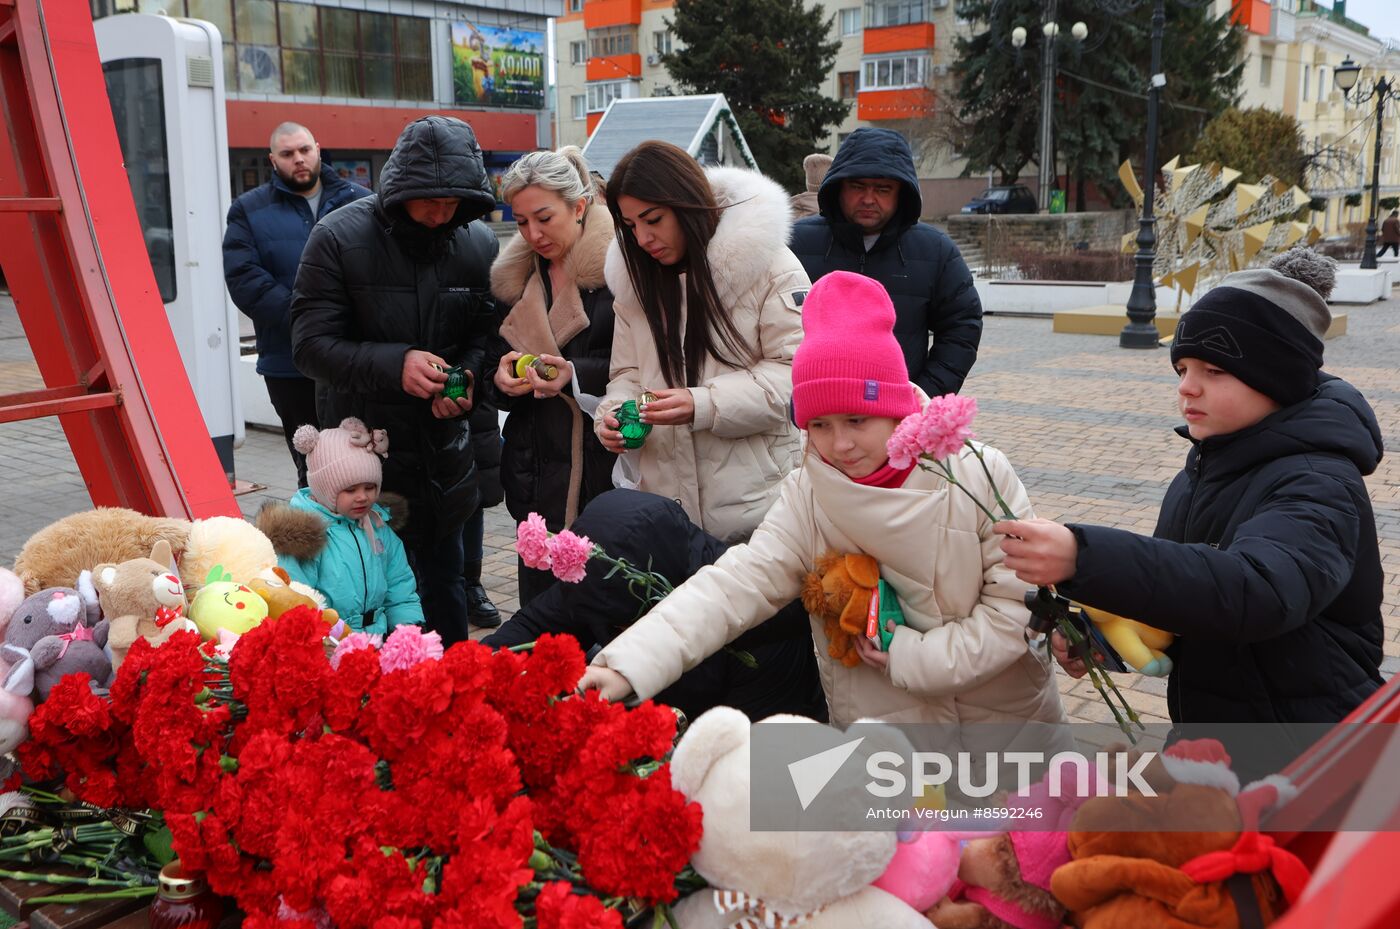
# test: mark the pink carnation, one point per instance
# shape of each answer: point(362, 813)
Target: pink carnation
point(408, 646)
point(354, 642)
point(938, 432)
point(569, 555)
point(903, 446)
point(532, 542)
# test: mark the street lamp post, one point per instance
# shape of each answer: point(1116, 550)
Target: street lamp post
point(1051, 31)
point(1141, 329)
point(1346, 75)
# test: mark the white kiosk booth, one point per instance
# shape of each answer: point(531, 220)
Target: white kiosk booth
point(165, 79)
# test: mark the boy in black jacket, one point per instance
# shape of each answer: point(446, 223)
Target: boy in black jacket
point(1265, 561)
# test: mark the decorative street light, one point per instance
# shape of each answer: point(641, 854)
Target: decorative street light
point(1141, 329)
point(1051, 31)
point(1346, 75)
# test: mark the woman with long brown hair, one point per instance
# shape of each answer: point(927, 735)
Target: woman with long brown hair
point(708, 314)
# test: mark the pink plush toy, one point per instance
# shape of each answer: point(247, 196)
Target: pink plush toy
point(925, 865)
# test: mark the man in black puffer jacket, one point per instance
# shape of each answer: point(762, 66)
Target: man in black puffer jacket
point(391, 288)
point(869, 224)
point(647, 530)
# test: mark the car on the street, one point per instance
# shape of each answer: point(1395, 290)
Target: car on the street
point(1011, 198)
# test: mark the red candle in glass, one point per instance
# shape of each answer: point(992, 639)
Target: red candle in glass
point(184, 901)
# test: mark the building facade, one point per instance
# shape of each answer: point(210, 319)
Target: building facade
point(356, 71)
point(1292, 50)
point(893, 55)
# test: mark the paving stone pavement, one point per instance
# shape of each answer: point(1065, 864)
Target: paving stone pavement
point(1088, 426)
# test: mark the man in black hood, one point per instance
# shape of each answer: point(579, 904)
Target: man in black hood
point(392, 290)
point(869, 224)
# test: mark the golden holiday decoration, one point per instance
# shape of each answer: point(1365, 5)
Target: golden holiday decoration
point(1209, 224)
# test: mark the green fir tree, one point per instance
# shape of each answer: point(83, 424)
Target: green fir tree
point(1100, 97)
point(769, 58)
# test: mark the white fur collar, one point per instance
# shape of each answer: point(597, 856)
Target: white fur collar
point(583, 264)
point(753, 229)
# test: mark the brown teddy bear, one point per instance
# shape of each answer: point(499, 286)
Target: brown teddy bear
point(55, 555)
point(1191, 857)
point(838, 592)
point(142, 597)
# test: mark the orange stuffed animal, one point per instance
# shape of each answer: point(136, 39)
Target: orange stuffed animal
point(838, 592)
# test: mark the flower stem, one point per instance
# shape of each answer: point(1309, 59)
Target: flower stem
point(1005, 508)
point(128, 893)
point(947, 473)
point(1101, 679)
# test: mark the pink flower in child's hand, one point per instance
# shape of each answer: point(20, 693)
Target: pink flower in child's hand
point(569, 554)
point(945, 425)
point(408, 646)
point(903, 446)
point(354, 642)
point(532, 542)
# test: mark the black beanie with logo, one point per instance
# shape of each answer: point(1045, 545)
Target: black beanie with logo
point(1264, 326)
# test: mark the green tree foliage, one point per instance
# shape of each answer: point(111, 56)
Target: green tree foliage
point(1255, 142)
point(1203, 59)
point(1100, 100)
point(769, 58)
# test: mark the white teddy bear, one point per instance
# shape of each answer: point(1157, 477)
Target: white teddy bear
point(772, 879)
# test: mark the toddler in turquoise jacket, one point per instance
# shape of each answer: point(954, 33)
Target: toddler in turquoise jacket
point(362, 569)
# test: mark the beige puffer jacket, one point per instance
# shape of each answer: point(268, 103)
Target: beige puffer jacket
point(963, 656)
point(725, 467)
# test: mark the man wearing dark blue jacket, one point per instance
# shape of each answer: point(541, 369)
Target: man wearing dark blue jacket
point(869, 223)
point(267, 231)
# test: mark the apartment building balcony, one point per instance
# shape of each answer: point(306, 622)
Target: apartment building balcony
point(908, 37)
point(1283, 24)
point(1253, 15)
point(600, 14)
point(900, 103)
point(614, 67)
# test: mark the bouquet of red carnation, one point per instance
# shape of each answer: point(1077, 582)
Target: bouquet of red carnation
point(383, 785)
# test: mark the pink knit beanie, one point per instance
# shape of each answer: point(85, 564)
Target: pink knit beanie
point(849, 362)
point(340, 458)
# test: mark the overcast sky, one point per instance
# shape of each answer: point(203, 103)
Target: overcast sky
point(1382, 17)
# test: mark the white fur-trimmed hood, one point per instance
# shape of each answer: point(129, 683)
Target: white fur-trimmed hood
point(753, 230)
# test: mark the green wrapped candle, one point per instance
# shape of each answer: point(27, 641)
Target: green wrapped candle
point(629, 418)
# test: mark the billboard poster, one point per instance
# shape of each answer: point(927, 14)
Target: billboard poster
point(493, 66)
point(356, 171)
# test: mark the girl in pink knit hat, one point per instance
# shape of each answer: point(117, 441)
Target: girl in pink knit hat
point(961, 655)
point(335, 537)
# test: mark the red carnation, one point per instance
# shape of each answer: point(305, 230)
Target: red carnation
point(558, 907)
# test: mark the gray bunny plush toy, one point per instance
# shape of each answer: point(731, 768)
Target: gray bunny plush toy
point(53, 633)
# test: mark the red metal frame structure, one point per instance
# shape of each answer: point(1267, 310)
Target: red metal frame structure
point(74, 259)
point(1364, 894)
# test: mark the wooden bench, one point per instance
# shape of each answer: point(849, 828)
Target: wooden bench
point(94, 914)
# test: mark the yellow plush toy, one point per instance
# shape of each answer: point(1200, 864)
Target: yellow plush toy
point(1139, 645)
point(223, 603)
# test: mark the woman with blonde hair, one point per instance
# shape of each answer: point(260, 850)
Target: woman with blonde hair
point(556, 306)
point(708, 317)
